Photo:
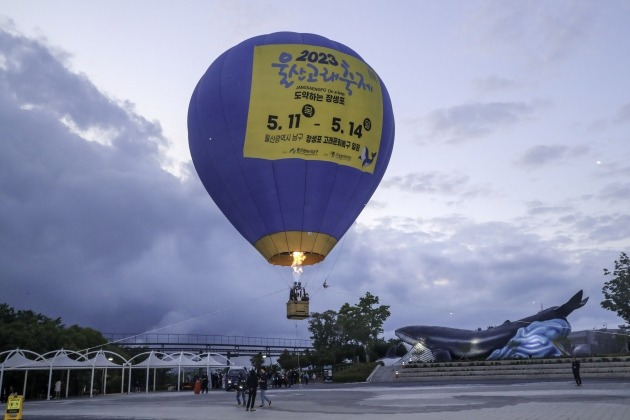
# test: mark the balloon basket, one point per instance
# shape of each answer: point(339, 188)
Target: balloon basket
point(297, 310)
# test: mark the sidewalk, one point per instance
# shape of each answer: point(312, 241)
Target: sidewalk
point(601, 400)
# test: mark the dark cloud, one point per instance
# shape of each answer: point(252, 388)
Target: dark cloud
point(470, 121)
point(537, 208)
point(604, 228)
point(95, 231)
point(475, 276)
point(429, 182)
point(616, 192)
point(439, 183)
point(542, 155)
point(601, 125)
point(539, 34)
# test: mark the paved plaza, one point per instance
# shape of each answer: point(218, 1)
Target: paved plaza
point(597, 399)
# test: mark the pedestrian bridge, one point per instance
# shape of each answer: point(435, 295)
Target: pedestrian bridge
point(229, 346)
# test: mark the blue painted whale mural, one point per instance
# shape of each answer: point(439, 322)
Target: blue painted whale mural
point(533, 336)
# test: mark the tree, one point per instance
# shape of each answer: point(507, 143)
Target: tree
point(257, 361)
point(324, 357)
point(307, 358)
point(362, 323)
point(617, 290)
point(390, 348)
point(349, 333)
point(331, 341)
point(28, 330)
point(325, 330)
point(287, 360)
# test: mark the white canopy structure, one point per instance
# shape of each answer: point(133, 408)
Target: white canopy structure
point(180, 360)
point(26, 360)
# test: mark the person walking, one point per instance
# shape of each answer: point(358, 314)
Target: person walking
point(252, 385)
point(241, 389)
point(57, 389)
point(262, 384)
point(204, 384)
point(575, 368)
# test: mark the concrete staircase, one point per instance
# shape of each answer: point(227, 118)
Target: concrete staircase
point(615, 367)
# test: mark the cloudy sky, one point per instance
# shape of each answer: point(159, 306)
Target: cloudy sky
point(508, 187)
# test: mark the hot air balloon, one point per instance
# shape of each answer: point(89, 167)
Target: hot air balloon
point(290, 135)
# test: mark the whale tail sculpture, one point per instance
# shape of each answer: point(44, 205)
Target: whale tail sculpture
point(443, 343)
point(572, 304)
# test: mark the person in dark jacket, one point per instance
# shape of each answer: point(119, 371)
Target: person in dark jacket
point(575, 368)
point(204, 384)
point(262, 382)
point(252, 385)
point(241, 388)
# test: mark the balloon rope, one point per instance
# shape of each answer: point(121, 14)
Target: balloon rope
point(343, 242)
point(225, 308)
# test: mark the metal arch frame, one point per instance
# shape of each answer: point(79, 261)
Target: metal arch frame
point(99, 360)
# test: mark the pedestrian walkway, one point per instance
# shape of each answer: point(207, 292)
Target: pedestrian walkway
point(601, 400)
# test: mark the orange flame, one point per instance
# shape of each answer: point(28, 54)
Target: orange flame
point(298, 259)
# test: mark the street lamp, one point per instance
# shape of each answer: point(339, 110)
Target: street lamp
point(264, 357)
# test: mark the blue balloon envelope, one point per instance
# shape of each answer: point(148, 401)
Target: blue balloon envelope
point(290, 135)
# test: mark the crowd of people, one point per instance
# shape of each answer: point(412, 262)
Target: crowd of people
point(292, 377)
point(202, 384)
point(248, 386)
point(274, 379)
point(252, 383)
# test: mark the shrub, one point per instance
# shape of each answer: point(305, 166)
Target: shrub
point(358, 372)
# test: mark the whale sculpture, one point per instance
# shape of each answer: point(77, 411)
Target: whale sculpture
point(451, 343)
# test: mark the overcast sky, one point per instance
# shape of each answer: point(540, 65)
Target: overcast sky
point(508, 188)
